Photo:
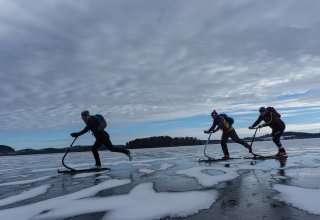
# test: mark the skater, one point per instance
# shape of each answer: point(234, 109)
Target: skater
point(102, 137)
point(272, 119)
point(224, 123)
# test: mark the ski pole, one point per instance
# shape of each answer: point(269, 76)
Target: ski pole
point(254, 136)
point(69, 148)
point(205, 147)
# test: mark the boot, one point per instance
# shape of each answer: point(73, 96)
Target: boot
point(226, 157)
point(281, 152)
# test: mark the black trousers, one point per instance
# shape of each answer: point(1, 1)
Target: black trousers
point(233, 135)
point(103, 138)
point(277, 133)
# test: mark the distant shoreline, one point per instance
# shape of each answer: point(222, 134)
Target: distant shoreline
point(9, 151)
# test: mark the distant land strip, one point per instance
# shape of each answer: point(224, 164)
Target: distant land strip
point(151, 142)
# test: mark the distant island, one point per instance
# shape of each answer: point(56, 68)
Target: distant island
point(162, 141)
point(151, 142)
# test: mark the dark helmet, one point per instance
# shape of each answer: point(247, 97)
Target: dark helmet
point(85, 113)
point(262, 109)
point(214, 113)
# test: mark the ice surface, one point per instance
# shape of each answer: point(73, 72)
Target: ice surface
point(25, 181)
point(179, 186)
point(83, 175)
point(301, 198)
point(226, 174)
point(142, 203)
point(32, 210)
point(25, 195)
point(163, 166)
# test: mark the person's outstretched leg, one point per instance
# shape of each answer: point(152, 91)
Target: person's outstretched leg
point(234, 136)
point(95, 153)
point(276, 139)
point(107, 142)
point(224, 146)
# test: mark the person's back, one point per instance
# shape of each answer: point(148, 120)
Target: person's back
point(270, 118)
point(92, 124)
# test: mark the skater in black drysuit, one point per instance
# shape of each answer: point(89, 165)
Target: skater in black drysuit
point(102, 137)
point(272, 119)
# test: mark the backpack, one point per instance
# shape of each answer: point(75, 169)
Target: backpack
point(274, 111)
point(101, 121)
point(228, 119)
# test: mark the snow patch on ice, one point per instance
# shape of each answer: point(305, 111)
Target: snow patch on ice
point(26, 181)
point(163, 166)
point(102, 177)
point(25, 195)
point(32, 210)
point(143, 202)
point(227, 174)
point(141, 164)
point(83, 175)
point(147, 171)
point(301, 198)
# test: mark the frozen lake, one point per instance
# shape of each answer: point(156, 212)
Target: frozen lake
point(165, 183)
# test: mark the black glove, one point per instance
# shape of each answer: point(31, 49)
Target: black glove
point(251, 127)
point(75, 134)
point(206, 131)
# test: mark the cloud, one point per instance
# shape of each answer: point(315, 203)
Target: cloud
point(303, 127)
point(149, 61)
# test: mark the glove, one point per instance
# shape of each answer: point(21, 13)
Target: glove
point(75, 134)
point(251, 127)
point(260, 126)
point(206, 131)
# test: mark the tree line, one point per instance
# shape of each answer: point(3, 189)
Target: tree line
point(151, 142)
point(4, 149)
point(162, 141)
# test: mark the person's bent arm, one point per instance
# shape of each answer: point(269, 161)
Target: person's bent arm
point(256, 122)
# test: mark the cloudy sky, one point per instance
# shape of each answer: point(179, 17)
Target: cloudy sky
point(154, 67)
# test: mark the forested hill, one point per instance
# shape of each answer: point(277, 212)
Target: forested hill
point(162, 141)
point(289, 135)
point(6, 149)
point(166, 141)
